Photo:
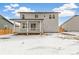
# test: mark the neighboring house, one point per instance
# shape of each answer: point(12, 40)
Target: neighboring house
point(37, 22)
point(72, 25)
point(5, 23)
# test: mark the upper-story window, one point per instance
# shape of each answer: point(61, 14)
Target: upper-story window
point(36, 16)
point(51, 16)
point(23, 16)
point(44, 15)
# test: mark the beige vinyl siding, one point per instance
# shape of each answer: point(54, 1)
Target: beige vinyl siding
point(49, 25)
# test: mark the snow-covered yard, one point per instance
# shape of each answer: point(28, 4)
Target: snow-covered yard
point(54, 43)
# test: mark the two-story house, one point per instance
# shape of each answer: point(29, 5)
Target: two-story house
point(37, 22)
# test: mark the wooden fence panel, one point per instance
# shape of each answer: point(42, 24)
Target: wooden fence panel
point(6, 31)
point(61, 29)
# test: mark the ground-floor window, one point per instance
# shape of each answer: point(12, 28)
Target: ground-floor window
point(24, 25)
point(33, 26)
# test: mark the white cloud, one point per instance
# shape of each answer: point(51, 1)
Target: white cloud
point(14, 5)
point(67, 13)
point(8, 8)
point(11, 7)
point(68, 6)
point(66, 9)
point(22, 9)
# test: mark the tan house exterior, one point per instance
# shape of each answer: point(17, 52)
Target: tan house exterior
point(37, 22)
point(72, 25)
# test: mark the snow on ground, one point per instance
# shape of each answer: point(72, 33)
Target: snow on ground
point(73, 33)
point(36, 44)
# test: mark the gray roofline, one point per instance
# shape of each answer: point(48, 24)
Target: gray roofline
point(38, 12)
point(6, 19)
point(68, 20)
point(26, 19)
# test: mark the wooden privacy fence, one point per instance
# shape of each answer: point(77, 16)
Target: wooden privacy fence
point(6, 31)
point(61, 29)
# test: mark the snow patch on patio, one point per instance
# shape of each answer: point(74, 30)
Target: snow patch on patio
point(36, 44)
